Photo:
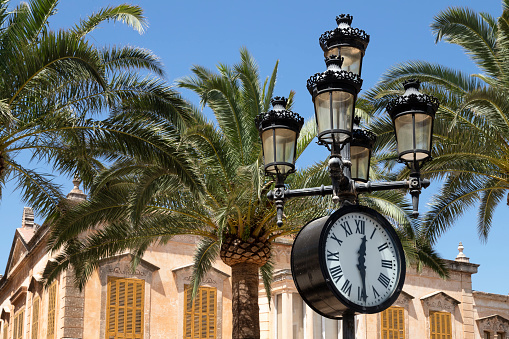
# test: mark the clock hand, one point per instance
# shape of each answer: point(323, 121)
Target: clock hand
point(362, 268)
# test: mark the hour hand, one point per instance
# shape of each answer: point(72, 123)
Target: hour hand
point(362, 268)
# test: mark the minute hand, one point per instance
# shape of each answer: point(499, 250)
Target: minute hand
point(362, 268)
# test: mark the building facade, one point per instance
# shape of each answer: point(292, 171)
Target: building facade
point(152, 301)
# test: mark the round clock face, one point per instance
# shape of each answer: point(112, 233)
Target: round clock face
point(363, 259)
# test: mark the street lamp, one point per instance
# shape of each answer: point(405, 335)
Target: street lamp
point(320, 263)
point(334, 93)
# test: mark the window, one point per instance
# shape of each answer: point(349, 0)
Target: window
point(200, 313)
point(501, 335)
point(440, 325)
point(35, 318)
point(18, 324)
point(52, 300)
point(126, 299)
point(393, 323)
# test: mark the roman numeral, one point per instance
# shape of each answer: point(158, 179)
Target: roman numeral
point(333, 236)
point(361, 296)
point(386, 263)
point(383, 247)
point(334, 256)
point(360, 226)
point(372, 234)
point(346, 227)
point(384, 280)
point(375, 293)
point(347, 287)
point(336, 273)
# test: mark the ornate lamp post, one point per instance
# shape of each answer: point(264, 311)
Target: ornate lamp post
point(334, 93)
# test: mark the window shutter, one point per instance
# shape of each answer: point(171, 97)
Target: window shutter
point(126, 299)
point(52, 298)
point(15, 328)
point(200, 314)
point(393, 323)
point(440, 325)
point(21, 323)
point(35, 318)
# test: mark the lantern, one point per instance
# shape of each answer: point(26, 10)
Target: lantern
point(346, 41)
point(279, 129)
point(334, 93)
point(412, 115)
point(360, 154)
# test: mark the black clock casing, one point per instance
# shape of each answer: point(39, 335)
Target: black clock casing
point(315, 280)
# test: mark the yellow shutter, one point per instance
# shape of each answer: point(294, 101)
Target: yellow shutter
point(18, 325)
point(126, 299)
point(52, 299)
point(200, 315)
point(440, 325)
point(35, 318)
point(21, 323)
point(393, 323)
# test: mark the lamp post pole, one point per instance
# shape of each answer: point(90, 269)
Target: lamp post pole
point(334, 93)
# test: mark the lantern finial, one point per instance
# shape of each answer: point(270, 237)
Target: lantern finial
point(344, 19)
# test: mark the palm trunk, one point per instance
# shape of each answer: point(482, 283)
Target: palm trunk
point(246, 313)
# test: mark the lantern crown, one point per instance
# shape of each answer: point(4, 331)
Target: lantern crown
point(279, 115)
point(362, 137)
point(344, 34)
point(344, 19)
point(332, 78)
point(412, 100)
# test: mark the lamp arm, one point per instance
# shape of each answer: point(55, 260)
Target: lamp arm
point(414, 184)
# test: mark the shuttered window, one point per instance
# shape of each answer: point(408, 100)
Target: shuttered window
point(5, 329)
point(35, 318)
point(18, 324)
point(393, 323)
point(200, 314)
point(52, 300)
point(126, 298)
point(440, 325)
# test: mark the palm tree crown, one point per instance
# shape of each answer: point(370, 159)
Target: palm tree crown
point(54, 84)
point(472, 130)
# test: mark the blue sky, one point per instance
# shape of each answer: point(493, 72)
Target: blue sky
point(185, 33)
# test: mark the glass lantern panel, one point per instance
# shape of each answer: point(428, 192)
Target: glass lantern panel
point(359, 156)
point(352, 58)
point(342, 110)
point(404, 132)
point(285, 149)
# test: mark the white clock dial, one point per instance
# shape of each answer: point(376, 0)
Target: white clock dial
point(362, 260)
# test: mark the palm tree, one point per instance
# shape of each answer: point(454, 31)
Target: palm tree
point(53, 85)
point(140, 204)
point(471, 134)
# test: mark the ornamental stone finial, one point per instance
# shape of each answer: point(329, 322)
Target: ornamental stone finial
point(461, 256)
point(76, 193)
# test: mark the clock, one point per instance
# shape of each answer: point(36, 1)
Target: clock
point(350, 262)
